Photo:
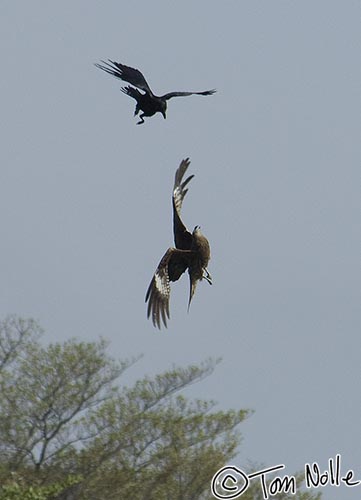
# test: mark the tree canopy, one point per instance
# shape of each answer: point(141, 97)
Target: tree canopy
point(69, 431)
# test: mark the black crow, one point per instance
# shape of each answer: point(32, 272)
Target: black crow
point(147, 102)
point(191, 252)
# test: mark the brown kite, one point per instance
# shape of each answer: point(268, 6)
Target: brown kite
point(147, 102)
point(191, 252)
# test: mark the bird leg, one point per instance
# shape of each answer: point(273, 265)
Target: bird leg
point(141, 119)
point(207, 276)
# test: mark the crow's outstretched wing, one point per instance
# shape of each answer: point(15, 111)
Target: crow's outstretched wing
point(126, 73)
point(172, 265)
point(185, 94)
point(182, 237)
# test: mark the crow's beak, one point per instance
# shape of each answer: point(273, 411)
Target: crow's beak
point(164, 115)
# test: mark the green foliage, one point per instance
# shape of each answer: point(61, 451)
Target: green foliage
point(43, 398)
point(69, 432)
point(165, 446)
point(17, 490)
point(16, 335)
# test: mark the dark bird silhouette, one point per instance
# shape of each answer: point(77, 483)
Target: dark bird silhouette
point(191, 252)
point(147, 102)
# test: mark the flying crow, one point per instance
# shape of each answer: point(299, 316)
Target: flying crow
point(147, 101)
point(191, 252)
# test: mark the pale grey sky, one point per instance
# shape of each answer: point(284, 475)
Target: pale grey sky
point(85, 201)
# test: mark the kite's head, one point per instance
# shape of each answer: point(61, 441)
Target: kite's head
point(197, 233)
